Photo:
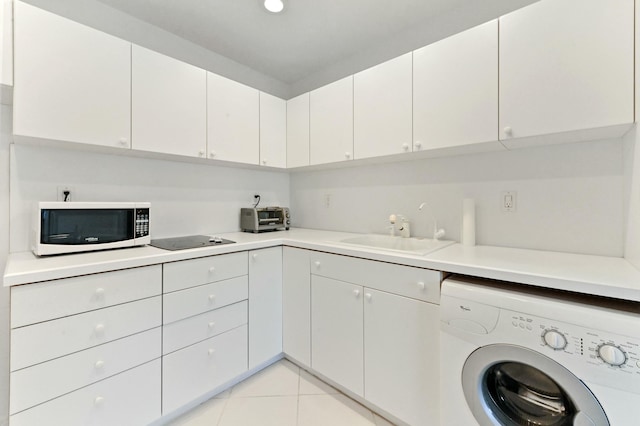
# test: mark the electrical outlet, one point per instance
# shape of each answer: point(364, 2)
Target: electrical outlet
point(509, 201)
point(327, 200)
point(60, 193)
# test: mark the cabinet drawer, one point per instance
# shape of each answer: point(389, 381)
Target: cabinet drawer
point(32, 303)
point(194, 301)
point(47, 340)
point(417, 283)
point(191, 273)
point(194, 371)
point(42, 382)
point(130, 398)
point(183, 333)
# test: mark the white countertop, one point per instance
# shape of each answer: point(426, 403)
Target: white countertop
point(597, 275)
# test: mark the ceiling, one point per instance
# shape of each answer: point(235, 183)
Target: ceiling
point(307, 37)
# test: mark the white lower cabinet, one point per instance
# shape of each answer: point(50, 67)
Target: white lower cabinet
point(401, 365)
point(131, 398)
point(265, 305)
point(379, 345)
point(337, 338)
point(296, 306)
point(200, 368)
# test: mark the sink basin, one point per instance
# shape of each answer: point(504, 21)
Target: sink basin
point(407, 245)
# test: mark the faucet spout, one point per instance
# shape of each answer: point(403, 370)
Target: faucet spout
point(437, 233)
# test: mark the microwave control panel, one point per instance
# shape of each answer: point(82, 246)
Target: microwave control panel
point(142, 223)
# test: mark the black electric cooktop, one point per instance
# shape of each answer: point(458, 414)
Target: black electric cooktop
point(189, 242)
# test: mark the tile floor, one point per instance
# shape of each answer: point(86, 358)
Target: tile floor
point(281, 395)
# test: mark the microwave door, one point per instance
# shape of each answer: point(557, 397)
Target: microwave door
point(82, 226)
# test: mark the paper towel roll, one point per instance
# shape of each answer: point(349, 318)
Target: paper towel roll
point(468, 222)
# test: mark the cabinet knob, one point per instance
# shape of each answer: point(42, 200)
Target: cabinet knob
point(405, 147)
point(418, 144)
point(99, 365)
point(508, 131)
point(254, 256)
point(356, 293)
point(212, 154)
point(264, 162)
point(212, 269)
point(347, 155)
point(368, 296)
point(200, 153)
point(317, 263)
point(99, 400)
point(212, 324)
point(211, 351)
point(99, 328)
point(100, 292)
point(124, 142)
point(421, 285)
point(212, 297)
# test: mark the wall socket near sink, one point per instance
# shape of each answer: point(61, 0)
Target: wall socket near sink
point(508, 201)
point(60, 193)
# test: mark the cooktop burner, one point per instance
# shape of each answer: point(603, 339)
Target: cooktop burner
point(189, 242)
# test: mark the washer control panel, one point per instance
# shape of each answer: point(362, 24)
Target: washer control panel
point(606, 358)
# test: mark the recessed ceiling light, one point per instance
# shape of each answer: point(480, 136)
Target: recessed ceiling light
point(274, 6)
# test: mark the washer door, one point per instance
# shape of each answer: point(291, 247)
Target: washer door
point(511, 385)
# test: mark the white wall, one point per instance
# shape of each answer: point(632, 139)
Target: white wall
point(5, 140)
point(569, 197)
point(186, 198)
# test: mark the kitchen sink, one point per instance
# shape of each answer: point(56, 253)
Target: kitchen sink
point(407, 245)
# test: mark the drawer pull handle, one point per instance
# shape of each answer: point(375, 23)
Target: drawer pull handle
point(317, 263)
point(99, 328)
point(212, 324)
point(100, 292)
point(99, 400)
point(356, 293)
point(211, 351)
point(421, 285)
point(212, 269)
point(99, 365)
point(212, 297)
point(368, 296)
point(254, 255)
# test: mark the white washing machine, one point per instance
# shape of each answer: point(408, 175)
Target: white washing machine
point(518, 355)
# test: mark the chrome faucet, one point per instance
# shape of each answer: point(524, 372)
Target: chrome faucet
point(437, 233)
point(405, 230)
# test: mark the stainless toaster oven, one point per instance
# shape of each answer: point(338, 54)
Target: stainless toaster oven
point(264, 219)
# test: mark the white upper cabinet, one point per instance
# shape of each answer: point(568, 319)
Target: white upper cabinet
point(566, 66)
point(298, 131)
point(455, 92)
point(6, 42)
point(72, 82)
point(382, 109)
point(273, 131)
point(169, 105)
point(331, 122)
point(233, 120)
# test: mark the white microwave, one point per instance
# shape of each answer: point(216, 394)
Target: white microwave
point(71, 227)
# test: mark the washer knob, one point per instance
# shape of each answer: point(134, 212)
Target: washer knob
point(612, 354)
point(554, 340)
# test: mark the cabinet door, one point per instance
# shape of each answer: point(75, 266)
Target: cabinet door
point(169, 105)
point(401, 338)
point(265, 305)
point(232, 120)
point(72, 82)
point(331, 122)
point(337, 332)
point(6, 42)
point(273, 131)
point(382, 109)
point(296, 305)
point(566, 65)
point(298, 131)
point(455, 92)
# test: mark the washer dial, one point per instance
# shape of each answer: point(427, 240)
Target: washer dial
point(612, 355)
point(554, 339)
